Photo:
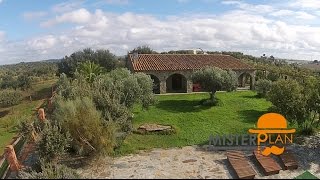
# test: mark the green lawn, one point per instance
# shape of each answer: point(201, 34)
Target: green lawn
point(10, 117)
point(237, 112)
point(306, 175)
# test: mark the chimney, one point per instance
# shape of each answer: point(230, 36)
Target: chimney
point(194, 51)
point(135, 55)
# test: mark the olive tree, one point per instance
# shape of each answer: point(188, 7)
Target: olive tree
point(144, 49)
point(288, 99)
point(113, 93)
point(263, 86)
point(10, 97)
point(104, 58)
point(212, 79)
point(24, 82)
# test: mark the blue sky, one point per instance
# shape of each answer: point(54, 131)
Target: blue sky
point(33, 30)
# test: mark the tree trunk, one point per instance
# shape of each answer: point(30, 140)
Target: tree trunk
point(212, 95)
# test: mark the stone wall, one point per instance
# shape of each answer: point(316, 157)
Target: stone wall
point(252, 74)
point(164, 75)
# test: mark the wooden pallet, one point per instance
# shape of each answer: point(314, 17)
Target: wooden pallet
point(269, 165)
point(240, 164)
point(289, 161)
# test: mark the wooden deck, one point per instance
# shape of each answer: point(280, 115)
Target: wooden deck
point(240, 164)
point(288, 160)
point(269, 165)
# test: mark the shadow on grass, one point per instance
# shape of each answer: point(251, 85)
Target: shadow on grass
point(252, 97)
point(181, 105)
point(42, 94)
point(251, 116)
point(4, 113)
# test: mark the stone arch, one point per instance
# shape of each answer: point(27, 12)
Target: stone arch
point(156, 84)
point(245, 79)
point(176, 83)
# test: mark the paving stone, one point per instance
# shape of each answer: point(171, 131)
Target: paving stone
point(190, 162)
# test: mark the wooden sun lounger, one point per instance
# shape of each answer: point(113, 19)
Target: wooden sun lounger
point(269, 165)
point(240, 164)
point(288, 160)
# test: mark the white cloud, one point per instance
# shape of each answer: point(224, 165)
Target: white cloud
point(42, 43)
point(238, 30)
point(317, 13)
point(295, 14)
point(2, 35)
point(67, 6)
point(34, 15)
point(283, 12)
point(304, 15)
point(260, 8)
point(307, 4)
point(77, 16)
point(235, 30)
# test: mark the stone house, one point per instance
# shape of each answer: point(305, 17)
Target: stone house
point(171, 73)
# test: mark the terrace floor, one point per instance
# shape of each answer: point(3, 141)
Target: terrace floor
point(191, 162)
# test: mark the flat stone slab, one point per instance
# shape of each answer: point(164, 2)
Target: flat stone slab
point(149, 128)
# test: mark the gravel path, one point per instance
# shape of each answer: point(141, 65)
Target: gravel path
point(189, 162)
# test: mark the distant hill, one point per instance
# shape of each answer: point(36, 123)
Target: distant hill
point(52, 60)
point(314, 66)
point(32, 62)
point(300, 62)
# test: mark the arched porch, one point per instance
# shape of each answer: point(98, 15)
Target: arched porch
point(176, 83)
point(245, 81)
point(156, 84)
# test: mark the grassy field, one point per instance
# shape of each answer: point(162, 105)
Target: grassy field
point(237, 112)
point(26, 110)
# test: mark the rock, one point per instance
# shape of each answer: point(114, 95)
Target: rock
point(189, 160)
point(150, 128)
point(104, 174)
point(120, 165)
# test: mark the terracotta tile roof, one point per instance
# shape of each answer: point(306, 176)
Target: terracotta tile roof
point(173, 62)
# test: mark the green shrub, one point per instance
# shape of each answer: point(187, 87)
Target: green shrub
point(9, 97)
point(104, 58)
point(308, 127)
point(25, 128)
point(50, 171)
point(88, 130)
point(288, 99)
point(112, 110)
point(113, 95)
point(263, 86)
point(24, 82)
point(230, 82)
point(273, 76)
point(71, 89)
point(54, 142)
